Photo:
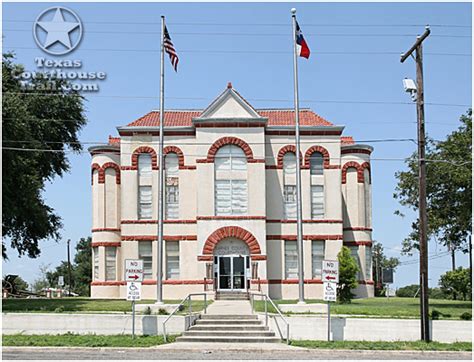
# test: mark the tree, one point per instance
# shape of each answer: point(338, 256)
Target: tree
point(42, 281)
point(449, 189)
point(38, 119)
point(380, 262)
point(347, 275)
point(81, 269)
point(14, 284)
point(412, 290)
point(456, 282)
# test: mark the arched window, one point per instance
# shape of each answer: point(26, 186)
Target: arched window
point(231, 158)
point(230, 181)
point(172, 186)
point(145, 192)
point(316, 162)
point(289, 182)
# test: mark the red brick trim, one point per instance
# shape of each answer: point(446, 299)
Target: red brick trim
point(357, 229)
point(357, 243)
point(366, 282)
point(355, 150)
point(283, 151)
point(364, 166)
point(348, 165)
point(228, 232)
point(305, 237)
point(316, 221)
point(303, 132)
point(226, 124)
point(258, 257)
point(224, 141)
point(101, 170)
point(231, 218)
point(106, 243)
point(96, 230)
point(204, 257)
point(155, 237)
point(285, 281)
point(156, 221)
point(144, 149)
point(324, 152)
point(153, 282)
point(108, 283)
point(168, 132)
point(179, 153)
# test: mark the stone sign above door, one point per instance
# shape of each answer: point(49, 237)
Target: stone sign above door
point(231, 246)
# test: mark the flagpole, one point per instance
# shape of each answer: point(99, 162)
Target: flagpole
point(159, 263)
point(299, 224)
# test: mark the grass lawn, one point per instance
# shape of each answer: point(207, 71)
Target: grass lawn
point(82, 305)
point(392, 307)
point(397, 346)
point(88, 340)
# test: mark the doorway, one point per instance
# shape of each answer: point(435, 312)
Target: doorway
point(231, 272)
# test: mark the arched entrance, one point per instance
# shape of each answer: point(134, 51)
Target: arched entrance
point(231, 265)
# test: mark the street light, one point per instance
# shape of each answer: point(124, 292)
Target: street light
point(410, 87)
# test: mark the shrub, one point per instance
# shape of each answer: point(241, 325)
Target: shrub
point(347, 275)
point(466, 316)
point(59, 309)
point(147, 311)
point(162, 311)
point(435, 314)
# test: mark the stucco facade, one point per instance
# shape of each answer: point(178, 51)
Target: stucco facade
point(241, 207)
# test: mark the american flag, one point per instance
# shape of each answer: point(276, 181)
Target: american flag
point(169, 48)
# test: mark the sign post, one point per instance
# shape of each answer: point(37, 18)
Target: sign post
point(330, 276)
point(134, 278)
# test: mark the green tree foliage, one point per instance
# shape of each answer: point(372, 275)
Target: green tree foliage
point(34, 119)
point(457, 283)
point(41, 282)
point(347, 275)
point(14, 284)
point(412, 290)
point(81, 269)
point(379, 262)
point(449, 188)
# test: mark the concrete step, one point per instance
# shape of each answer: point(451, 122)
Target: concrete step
point(228, 316)
point(223, 327)
point(228, 321)
point(228, 339)
point(232, 296)
point(229, 333)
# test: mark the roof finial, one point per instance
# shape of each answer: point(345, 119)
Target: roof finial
point(229, 85)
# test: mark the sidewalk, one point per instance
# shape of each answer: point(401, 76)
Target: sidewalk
point(226, 307)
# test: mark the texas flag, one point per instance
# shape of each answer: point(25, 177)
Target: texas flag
point(301, 46)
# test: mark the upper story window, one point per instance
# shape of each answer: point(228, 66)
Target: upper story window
point(316, 164)
point(289, 187)
point(230, 158)
point(144, 165)
point(289, 163)
point(172, 186)
point(230, 184)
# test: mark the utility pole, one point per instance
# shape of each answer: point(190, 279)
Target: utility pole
point(470, 259)
point(69, 265)
point(453, 257)
point(424, 306)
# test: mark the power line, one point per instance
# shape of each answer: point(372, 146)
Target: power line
point(211, 51)
point(249, 99)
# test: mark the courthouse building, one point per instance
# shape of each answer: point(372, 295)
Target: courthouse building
point(230, 211)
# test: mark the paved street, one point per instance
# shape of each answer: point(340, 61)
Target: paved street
point(219, 352)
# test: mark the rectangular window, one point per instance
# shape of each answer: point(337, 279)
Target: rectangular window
point(355, 255)
point(317, 254)
point(144, 202)
point(95, 250)
point(110, 263)
point(368, 263)
point(231, 197)
point(289, 198)
point(145, 253)
point(317, 201)
point(144, 165)
point(291, 260)
point(172, 260)
point(172, 202)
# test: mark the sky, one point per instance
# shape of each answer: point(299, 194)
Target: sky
point(353, 78)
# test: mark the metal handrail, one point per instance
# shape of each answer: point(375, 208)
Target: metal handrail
point(188, 298)
point(267, 298)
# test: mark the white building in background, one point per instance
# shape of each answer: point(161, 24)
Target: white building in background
point(230, 213)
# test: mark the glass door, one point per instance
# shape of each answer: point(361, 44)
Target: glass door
point(238, 272)
point(231, 272)
point(225, 272)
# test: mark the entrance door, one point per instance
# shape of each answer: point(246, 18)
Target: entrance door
point(231, 272)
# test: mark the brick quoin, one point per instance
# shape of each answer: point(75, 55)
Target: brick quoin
point(224, 141)
point(144, 149)
point(230, 232)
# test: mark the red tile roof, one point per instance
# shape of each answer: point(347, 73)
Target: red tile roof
point(276, 117)
point(114, 140)
point(347, 140)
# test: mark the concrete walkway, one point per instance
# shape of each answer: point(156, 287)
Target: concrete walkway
point(226, 307)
